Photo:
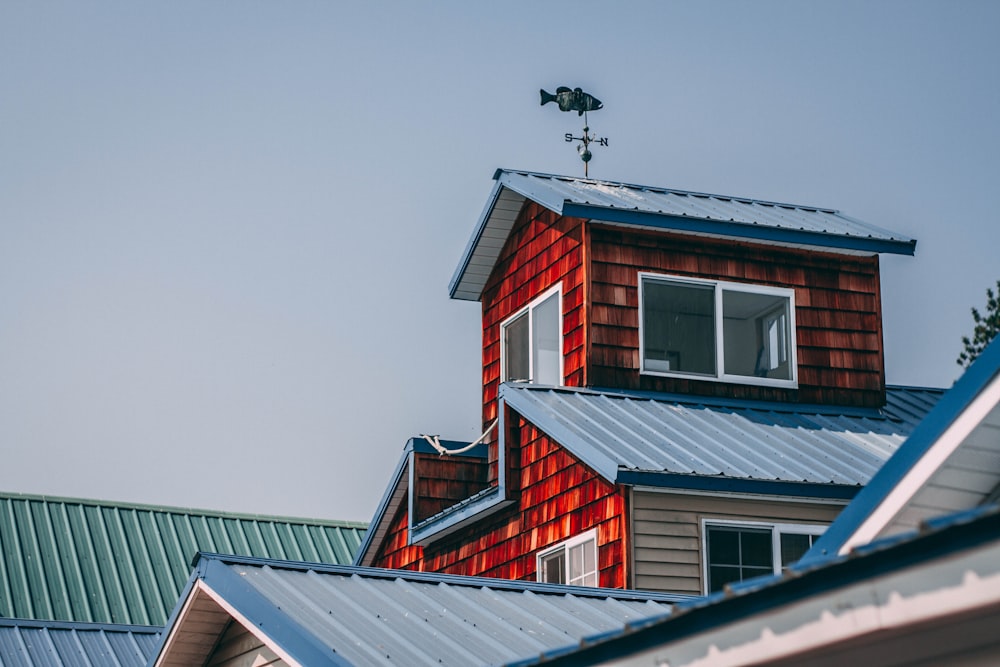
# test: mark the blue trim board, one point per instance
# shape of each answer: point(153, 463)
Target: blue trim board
point(458, 516)
point(924, 437)
point(738, 229)
point(961, 532)
point(721, 484)
point(303, 646)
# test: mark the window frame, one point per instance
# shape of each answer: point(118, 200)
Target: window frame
point(720, 287)
point(530, 309)
point(776, 528)
point(564, 547)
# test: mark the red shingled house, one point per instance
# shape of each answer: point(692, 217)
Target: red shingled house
point(687, 389)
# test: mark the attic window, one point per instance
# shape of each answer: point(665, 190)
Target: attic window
point(531, 342)
point(680, 333)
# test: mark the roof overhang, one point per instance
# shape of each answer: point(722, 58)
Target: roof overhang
point(558, 194)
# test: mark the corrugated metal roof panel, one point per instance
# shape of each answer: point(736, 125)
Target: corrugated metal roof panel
point(681, 203)
point(667, 209)
point(635, 431)
point(84, 560)
point(382, 617)
point(31, 643)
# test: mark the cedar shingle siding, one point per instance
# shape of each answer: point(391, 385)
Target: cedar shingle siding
point(559, 498)
point(543, 249)
point(837, 311)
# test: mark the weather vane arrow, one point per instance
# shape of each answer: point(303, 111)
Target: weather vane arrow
point(576, 100)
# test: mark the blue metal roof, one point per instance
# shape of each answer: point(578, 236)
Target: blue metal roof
point(30, 643)
point(682, 441)
point(936, 539)
point(337, 615)
point(947, 410)
point(664, 209)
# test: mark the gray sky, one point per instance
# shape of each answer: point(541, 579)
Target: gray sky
point(227, 229)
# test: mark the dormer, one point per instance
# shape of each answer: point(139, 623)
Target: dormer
point(601, 284)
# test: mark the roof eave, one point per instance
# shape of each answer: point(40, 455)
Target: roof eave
point(740, 230)
point(723, 484)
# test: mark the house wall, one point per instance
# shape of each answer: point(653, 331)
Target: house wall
point(442, 481)
point(667, 532)
point(239, 648)
point(837, 311)
point(559, 498)
point(543, 249)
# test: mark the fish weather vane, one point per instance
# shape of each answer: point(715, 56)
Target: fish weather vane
point(576, 100)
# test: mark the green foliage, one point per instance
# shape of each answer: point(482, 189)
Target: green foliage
point(987, 327)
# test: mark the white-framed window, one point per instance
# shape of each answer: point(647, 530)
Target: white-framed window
point(571, 562)
point(715, 330)
point(531, 342)
point(738, 551)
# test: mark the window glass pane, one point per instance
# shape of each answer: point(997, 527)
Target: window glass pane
point(724, 546)
point(755, 549)
point(583, 564)
point(678, 327)
point(545, 341)
point(793, 547)
point(720, 575)
point(576, 569)
point(735, 554)
point(553, 570)
point(515, 341)
point(755, 335)
point(590, 559)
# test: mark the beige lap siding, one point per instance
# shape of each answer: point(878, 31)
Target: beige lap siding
point(667, 539)
point(239, 648)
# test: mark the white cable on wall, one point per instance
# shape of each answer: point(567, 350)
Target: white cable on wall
point(435, 441)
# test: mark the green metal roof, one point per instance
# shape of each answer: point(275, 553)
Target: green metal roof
point(69, 559)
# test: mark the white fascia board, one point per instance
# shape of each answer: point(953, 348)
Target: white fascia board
point(897, 499)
